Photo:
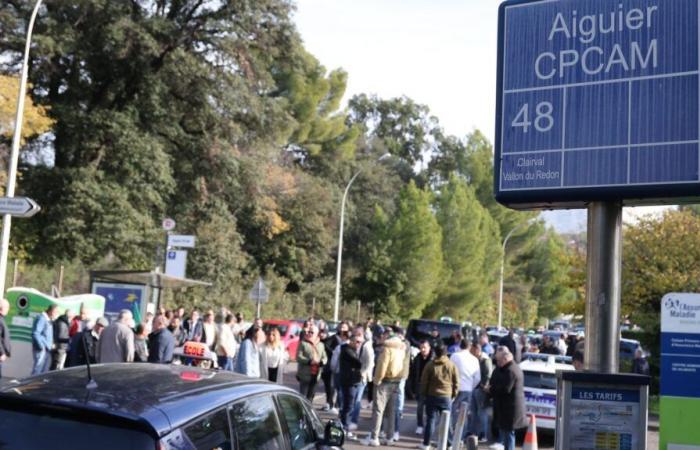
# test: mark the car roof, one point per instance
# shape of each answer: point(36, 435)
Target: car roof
point(163, 396)
point(544, 366)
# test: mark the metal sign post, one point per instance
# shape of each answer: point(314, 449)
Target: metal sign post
point(14, 155)
point(259, 294)
point(604, 260)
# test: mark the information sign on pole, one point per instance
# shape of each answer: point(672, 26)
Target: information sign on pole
point(176, 263)
point(181, 241)
point(679, 404)
point(597, 101)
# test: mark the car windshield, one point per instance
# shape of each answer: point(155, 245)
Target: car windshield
point(20, 430)
point(540, 380)
point(283, 328)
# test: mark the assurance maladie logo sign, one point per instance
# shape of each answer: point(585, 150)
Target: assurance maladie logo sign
point(677, 308)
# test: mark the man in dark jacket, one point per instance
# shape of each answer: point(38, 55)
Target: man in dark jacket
point(509, 341)
point(418, 364)
point(86, 340)
point(350, 375)
point(4, 333)
point(161, 342)
point(506, 388)
point(61, 337)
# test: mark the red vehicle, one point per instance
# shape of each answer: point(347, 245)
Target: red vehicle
point(289, 330)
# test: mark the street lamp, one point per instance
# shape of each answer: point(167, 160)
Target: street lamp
point(340, 238)
point(503, 263)
point(14, 156)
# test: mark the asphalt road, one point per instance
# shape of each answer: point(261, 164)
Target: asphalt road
point(408, 437)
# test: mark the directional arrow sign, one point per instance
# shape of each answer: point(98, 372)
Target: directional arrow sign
point(18, 206)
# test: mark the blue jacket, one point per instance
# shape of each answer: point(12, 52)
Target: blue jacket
point(161, 344)
point(248, 360)
point(42, 333)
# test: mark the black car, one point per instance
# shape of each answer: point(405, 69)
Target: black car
point(161, 407)
point(420, 329)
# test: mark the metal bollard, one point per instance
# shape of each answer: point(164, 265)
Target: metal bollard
point(459, 426)
point(443, 430)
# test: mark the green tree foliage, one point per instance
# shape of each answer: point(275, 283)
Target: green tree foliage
point(405, 128)
point(406, 257)
point(215, 114)
point(546, 266)
point(660, 255)
point(470, 250)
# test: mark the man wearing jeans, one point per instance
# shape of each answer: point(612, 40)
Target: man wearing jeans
point(506, 388)
point(479, 406)
point(420, 362)
point(367, 358)
point(438, 385)
point(390, 369)
point(469, 378)
point(42, 339)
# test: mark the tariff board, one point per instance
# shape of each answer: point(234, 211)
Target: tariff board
point(597, 100)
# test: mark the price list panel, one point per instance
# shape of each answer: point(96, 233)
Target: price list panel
point(598, 100)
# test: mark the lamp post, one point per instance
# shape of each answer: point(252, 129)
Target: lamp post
point(14, 155)
point(503, 263)
point(340, 238)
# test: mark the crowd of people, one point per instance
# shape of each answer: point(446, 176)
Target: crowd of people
point(69, 339)
point(377, 360)
point(353, 362)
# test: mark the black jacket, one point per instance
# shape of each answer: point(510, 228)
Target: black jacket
point(5, 346)
point(508, 397)
point(61, 335)
point(416, 371)
point(350, 366)
point(161, 344)
point(76, 354)
point(509, 342)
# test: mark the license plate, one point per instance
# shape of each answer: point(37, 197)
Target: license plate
point(539, 410)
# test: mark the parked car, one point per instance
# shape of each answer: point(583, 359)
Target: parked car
point(541, 386)
point(420, 329)
point(157, 406)
point(628, 347)
point(289, 331)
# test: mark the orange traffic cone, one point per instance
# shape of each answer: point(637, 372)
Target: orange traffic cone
point(530, 442)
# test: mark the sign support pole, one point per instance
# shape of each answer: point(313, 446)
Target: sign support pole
point(14, 154)
point(604, 262)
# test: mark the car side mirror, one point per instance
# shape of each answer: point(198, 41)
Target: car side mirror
point(333, 434)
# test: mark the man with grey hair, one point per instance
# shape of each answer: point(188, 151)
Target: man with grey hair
point(506, 388)
point(116, 343)
point(4, 333)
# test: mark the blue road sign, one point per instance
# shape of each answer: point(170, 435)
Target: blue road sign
point(597, 100)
